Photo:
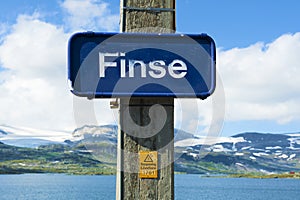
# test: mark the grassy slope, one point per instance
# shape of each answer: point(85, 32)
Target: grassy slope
point(50, 159)
point(70, 160)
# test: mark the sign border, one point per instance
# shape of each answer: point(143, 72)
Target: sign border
point(73, 72)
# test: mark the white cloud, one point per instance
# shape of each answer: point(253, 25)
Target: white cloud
point(34, 43)
point(34, 90)
point(33, 86)
point(81, 15)
point(202, 117)
point(262, 81)
point(3, 31)
point(2, 28)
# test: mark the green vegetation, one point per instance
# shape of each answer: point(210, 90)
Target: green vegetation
point(36, 166)
point(264, 176)
point(78, 161)
point(200, 167)
point(51, 159)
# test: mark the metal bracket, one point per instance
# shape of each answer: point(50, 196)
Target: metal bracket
point(158, 10)
point(114, 104)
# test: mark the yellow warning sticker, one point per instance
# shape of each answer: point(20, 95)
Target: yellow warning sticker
point(148, 164)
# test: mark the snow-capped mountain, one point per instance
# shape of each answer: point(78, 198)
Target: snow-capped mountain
point(29, 137)
point(257, 143)
point(107, 133)
point(246, 141)
point(247, 151)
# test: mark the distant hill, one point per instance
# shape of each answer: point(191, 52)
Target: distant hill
point(90, 146)
point(255, 152)
point(28, 137)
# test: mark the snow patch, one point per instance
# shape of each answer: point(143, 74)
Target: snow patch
point(274, 148)
point(265, 171)
point(246, 148)
point(255, 149)
point(293, 148)
point(240, 164)
point(292, 156)
point(219, 148)
point(20, 135)
point(252, 158)
point(284, 156)
point(294, 140)
point(208, 141)
point(239, 154)
point(260, 154)
point(195, 155)
point(294, 135)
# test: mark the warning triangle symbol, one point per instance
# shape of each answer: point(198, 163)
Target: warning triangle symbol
point(148, 158)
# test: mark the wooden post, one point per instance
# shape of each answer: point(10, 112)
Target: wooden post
point(146, 16)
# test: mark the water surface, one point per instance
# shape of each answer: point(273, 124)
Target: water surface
point(187, 187)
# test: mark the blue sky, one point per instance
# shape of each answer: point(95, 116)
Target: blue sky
point(258, 46)
point(235, 23)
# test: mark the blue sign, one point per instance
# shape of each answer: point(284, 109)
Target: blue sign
point(109, 65)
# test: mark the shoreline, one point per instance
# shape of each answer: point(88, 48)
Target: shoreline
point(250, 176)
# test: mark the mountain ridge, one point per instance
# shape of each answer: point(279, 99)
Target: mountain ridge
point(243, 152)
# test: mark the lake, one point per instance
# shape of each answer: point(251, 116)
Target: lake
point(187, 187)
